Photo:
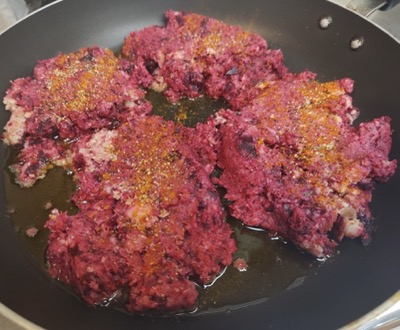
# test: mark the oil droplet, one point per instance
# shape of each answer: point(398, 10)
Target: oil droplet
point(216, 278)
point(107, 301)
point(325, 22)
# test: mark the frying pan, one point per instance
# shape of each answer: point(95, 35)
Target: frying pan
point(343, 288)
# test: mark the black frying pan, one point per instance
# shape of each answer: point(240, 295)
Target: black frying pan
point(342, 289)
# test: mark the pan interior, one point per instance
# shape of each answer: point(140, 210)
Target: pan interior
point(273, 265)
point(346, 286)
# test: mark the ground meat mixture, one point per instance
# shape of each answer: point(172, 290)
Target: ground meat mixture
point(194, 54)
point(68, 96)
point(149, 225)
point(150, 222)
point(293, 163)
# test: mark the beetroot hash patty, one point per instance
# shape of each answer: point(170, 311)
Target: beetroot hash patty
point(149, 223)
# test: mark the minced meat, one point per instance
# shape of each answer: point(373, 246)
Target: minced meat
point(150, 222)
point(68, 96)
point(293, 163)
point(195, 55)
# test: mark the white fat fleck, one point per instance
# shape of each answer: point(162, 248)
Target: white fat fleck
point(330, 146)
point(353, 227)
point(352, 115)
point(130, 104)
point(116, 190)
point(160, 58)
point(158, 85)
point(132, 94)
point(219, 119)
point(318, 250)
point(348, 101)
point(178, 55)
point(64, 161)
point(348, 212)
point(211, 51)
point(99, 149)
point(10, 103)
point(15, 127)
point(338, 119)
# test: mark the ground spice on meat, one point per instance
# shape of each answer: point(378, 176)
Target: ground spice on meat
point(150, 222)
point(68, 97)
point(195, 55)
point(293, 163)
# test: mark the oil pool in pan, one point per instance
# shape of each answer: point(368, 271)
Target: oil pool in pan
point(273, 265)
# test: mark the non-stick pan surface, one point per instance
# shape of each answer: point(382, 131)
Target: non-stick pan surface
point(346, 286)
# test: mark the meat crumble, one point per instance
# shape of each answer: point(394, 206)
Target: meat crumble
point(68, 97)
point(195, 55)
point(293, 163)
point(150, 221)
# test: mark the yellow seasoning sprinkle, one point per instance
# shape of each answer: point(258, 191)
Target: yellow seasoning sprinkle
point(79, 81)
